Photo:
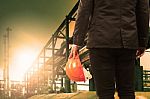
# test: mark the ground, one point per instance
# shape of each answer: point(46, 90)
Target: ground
point(83, 95)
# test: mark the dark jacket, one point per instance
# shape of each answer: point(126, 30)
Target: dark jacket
point(112, 23)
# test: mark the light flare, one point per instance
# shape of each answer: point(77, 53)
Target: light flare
point(23, 60)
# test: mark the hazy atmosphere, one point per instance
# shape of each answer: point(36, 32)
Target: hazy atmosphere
point(32, 23)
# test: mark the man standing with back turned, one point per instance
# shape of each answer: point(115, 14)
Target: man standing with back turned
point(117, 33)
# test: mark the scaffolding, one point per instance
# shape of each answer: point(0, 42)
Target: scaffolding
point(48, 69)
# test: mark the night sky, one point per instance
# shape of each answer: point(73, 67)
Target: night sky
point(32, 23)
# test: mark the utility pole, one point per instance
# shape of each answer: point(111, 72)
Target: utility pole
point(6, 61)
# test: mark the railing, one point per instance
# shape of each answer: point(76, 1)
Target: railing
point(146, 80)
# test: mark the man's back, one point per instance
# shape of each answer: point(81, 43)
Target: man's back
point(112, 23)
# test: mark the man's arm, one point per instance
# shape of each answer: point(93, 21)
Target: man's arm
point(82, 21)
point(142, 15)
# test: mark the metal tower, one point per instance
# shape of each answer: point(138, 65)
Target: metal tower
point(6, 61)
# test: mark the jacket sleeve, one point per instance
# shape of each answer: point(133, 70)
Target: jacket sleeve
point(84, 14)
point(142, 19)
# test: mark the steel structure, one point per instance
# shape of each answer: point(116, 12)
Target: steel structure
point(47, 71)
point(6, 62)
point(49, 65)
point(16, 89)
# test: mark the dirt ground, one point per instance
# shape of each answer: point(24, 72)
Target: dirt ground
point(83, 95)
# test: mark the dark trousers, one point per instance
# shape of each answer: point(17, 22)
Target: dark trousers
point(113, 69)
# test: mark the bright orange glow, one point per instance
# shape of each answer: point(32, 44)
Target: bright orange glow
point(145, 60)
point(1, 74)
point(71, 29)
point(23, 60)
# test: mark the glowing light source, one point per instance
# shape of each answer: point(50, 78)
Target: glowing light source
point(1, 74)
point(145, 60)
point(22, 61)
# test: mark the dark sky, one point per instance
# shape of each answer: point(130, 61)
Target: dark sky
point(32, 22)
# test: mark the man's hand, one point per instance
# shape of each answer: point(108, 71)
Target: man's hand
point(140, 52)
point(74, 51)
point(75, 47)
